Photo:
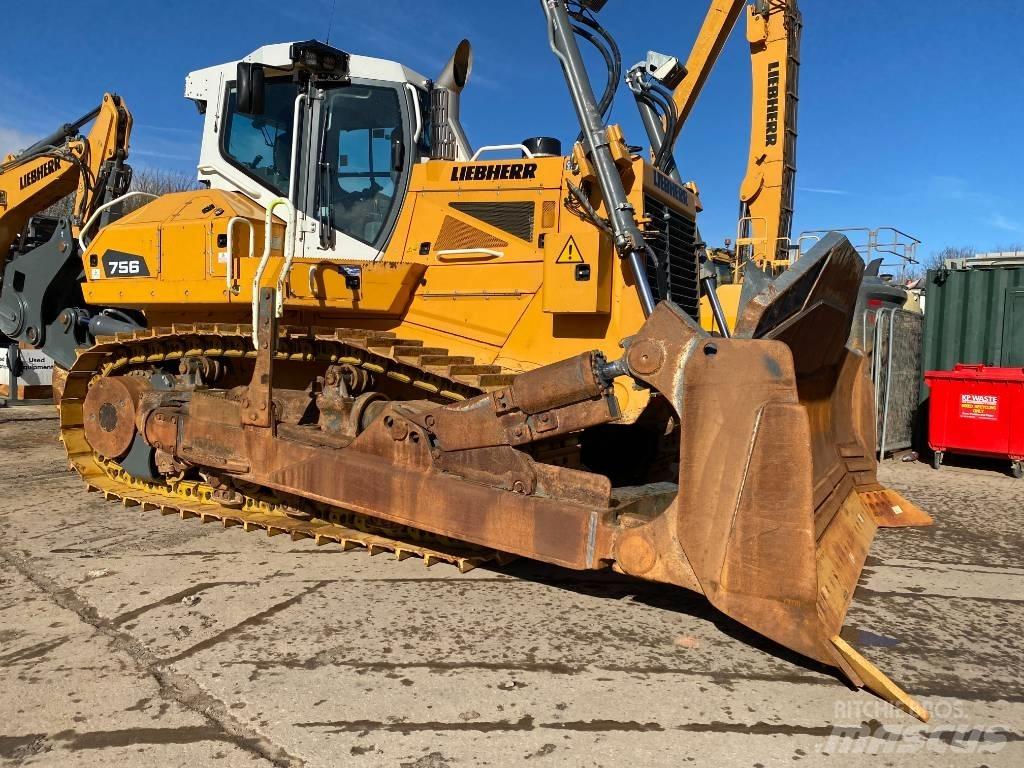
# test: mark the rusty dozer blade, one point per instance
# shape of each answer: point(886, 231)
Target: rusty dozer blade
point(778, 498)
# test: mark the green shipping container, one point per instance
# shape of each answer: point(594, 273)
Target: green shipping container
point(973, 316)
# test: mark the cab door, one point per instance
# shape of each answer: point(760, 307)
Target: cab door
point(360, 151)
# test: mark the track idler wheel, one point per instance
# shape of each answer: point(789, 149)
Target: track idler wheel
point(110, 411)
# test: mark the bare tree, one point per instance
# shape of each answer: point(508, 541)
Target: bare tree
point(938, 259)
point(1016, 248)
point(62, 208)
point(154, 181)
point(158, 181)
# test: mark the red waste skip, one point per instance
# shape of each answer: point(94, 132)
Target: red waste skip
point(979, 411)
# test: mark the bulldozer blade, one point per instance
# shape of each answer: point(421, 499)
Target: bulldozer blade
point(891, 510)
point(778, 498)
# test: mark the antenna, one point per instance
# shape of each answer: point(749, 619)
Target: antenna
point(330, 22)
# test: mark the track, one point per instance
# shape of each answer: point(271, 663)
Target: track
point(430, 370)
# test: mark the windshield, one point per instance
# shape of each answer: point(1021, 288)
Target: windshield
point(261, 145)
point(362, 158)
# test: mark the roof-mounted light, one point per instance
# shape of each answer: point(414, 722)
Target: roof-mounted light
point(321, 59)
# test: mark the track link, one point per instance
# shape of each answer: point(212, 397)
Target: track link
point(407, 361)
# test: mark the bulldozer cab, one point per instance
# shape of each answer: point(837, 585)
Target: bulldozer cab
point(336, 135)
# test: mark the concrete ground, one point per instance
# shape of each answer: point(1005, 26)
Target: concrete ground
point(127, 638)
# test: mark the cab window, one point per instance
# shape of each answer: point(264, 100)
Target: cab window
point(365, 154)
point(261, 145)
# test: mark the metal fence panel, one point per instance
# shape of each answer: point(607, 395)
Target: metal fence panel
point(895, 352)
point(892, 339)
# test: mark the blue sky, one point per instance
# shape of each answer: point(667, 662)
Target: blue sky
point(912, 114)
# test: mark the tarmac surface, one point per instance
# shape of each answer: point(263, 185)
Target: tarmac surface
point(128, 638)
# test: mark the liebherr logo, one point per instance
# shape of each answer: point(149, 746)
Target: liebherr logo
point(37, 174)
point(771, 134)
point(670, 188)
point(507, 172)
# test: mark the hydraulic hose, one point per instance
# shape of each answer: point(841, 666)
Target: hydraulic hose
point(609, 92)
point(614, 63)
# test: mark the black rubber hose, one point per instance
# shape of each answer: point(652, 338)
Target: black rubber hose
point(664, 160)
point(659, 109)
point(588, 209)
point(609, 91)
point(614, 66)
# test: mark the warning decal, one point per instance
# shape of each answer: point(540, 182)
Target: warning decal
point(985, 407)
point(570, 254)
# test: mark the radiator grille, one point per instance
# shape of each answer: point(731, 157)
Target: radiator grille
point(673, 237)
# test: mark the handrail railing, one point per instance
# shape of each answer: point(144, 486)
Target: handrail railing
point(289, 257)
point(229, 270)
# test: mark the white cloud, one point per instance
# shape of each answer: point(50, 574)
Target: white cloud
point(161, 155)
point(999, 221)
point(13, 140)
point(950, 187)
point(150, 128)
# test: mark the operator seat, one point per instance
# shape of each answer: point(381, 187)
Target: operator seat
point(362, 214)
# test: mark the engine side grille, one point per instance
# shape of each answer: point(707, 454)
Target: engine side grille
point(457, 235)
point(673, 237)
point(516, 218)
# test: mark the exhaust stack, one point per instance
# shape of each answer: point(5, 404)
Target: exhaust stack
point(449, 140)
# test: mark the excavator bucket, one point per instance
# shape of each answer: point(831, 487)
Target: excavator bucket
point(778, 498)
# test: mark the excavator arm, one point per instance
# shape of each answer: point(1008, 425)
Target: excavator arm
point(63, 163)
point(715, 31)
point(766, 194)
point(666, 91)
point(41, 300)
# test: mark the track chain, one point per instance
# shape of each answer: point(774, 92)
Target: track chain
point(408, 361)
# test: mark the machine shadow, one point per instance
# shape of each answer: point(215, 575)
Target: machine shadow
point(608, 585)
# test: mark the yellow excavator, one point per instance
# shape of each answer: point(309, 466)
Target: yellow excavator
point(43, 302)
point(365, 331)
point(762, 244)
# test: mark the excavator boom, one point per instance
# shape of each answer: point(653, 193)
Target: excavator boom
point(63, 163)
point(714, 33)
point(666, 92)
point(774, 30)
point(767, 192)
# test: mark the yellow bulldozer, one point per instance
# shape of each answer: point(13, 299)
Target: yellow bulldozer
point(363, 331)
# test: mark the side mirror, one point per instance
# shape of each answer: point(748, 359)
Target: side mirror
point(251, 87)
